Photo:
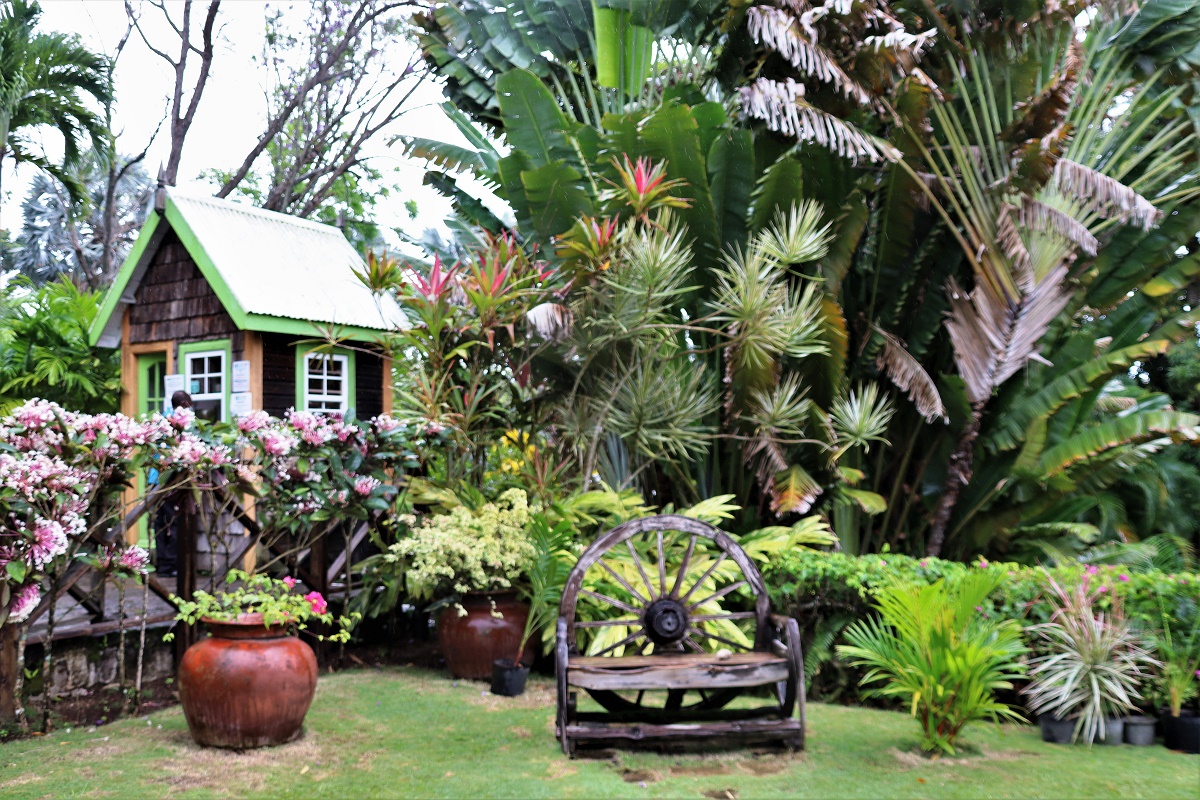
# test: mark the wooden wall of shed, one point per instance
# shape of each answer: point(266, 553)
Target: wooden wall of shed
point(279, 376)
point(369, 384)
point(278, 373)
point(174, 301)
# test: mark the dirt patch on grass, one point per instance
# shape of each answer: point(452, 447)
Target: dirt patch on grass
point(699, 770)
point(196, 767)
point(722, 794)
point(767, 765)
point(640, 776)
point(537, 695)
point(969, 756)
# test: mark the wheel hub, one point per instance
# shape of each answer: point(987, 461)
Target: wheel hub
point(665, 621)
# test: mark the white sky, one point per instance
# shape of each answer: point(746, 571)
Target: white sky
point(232, 110)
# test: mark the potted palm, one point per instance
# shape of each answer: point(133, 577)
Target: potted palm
point(251, 682)
point(1090, 674)
point(1178, 679)
point(545, 579)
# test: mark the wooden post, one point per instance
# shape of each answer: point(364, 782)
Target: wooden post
point(8, 672)
point(186, 564)
point(317, 565)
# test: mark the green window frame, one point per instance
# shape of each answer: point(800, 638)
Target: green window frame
point(212, 347)
point(151, 370)
point(348, 379)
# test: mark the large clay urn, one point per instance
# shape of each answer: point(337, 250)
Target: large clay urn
point(248, 685)
point(491, 629)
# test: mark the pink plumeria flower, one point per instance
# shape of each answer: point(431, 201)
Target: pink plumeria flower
point(1123, 578)
point(1092, 570)
point(1103, 589)
point(290, 582)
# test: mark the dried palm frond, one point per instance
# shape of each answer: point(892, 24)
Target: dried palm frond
point(1037, 216)
point(1105, 196)
point(1013, 246)
point(908, 374)
point(992, 337)
point(781, 32)
point(782, 106)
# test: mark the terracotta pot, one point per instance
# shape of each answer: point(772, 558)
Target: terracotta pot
point(471, 643)
point(248, 685)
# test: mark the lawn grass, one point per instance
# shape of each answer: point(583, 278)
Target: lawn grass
point(410, 733)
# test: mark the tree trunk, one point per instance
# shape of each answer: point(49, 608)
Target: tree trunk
point(8, 673)
point(958, 475)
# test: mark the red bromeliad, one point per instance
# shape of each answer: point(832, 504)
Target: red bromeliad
point(433, 287)
point(644, 187)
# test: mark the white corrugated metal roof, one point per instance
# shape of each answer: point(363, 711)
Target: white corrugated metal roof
point(284, 266)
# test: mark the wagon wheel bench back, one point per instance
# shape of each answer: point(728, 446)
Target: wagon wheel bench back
point(667, 685)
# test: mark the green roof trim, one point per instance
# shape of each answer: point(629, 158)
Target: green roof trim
point(264, 323)
point(122, 280)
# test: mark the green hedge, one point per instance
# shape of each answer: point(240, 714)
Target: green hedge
point(827, 591)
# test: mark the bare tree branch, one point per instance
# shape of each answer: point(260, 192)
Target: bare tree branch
point(181, 115)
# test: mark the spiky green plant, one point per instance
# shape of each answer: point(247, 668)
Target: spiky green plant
point(933, 647)
point(1095, 663)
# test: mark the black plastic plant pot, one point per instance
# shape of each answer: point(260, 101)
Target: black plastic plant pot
point(508, 679)
point(1139, 731)
point(1055, 730)
point(1114, 732)
point(1182, 732)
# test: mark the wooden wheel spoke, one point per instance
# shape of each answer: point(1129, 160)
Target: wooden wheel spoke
point(690, 642)
point(612, 601)
point(726, 615)
point(707, 574)
point(640, 567)
point(683, 568)
point(607, 623)
point(716, 638)
point(627, 640)
point(624, 583)
point(733, 587)
point(662, 568)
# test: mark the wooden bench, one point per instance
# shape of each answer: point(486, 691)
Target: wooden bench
point(645, 629)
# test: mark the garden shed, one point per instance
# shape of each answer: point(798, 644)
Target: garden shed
point(228, 302)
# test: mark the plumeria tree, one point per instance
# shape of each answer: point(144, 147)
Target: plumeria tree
point(63, 476)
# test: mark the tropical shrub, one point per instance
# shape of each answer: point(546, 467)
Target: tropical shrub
point(826, 592)
point(466, 550)
point(1095, 664)
point(933, 647)
point(1179, 676)
point(45, 351)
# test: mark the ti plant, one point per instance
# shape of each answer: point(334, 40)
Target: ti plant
point(933, 647)
point(1095, 662)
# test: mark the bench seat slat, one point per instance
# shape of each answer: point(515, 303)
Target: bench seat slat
point(690, 671)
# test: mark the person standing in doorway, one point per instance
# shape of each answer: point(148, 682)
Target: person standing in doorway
point(166, 521)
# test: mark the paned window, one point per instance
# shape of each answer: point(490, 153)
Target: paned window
point(326, 382)
point(206, 384)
